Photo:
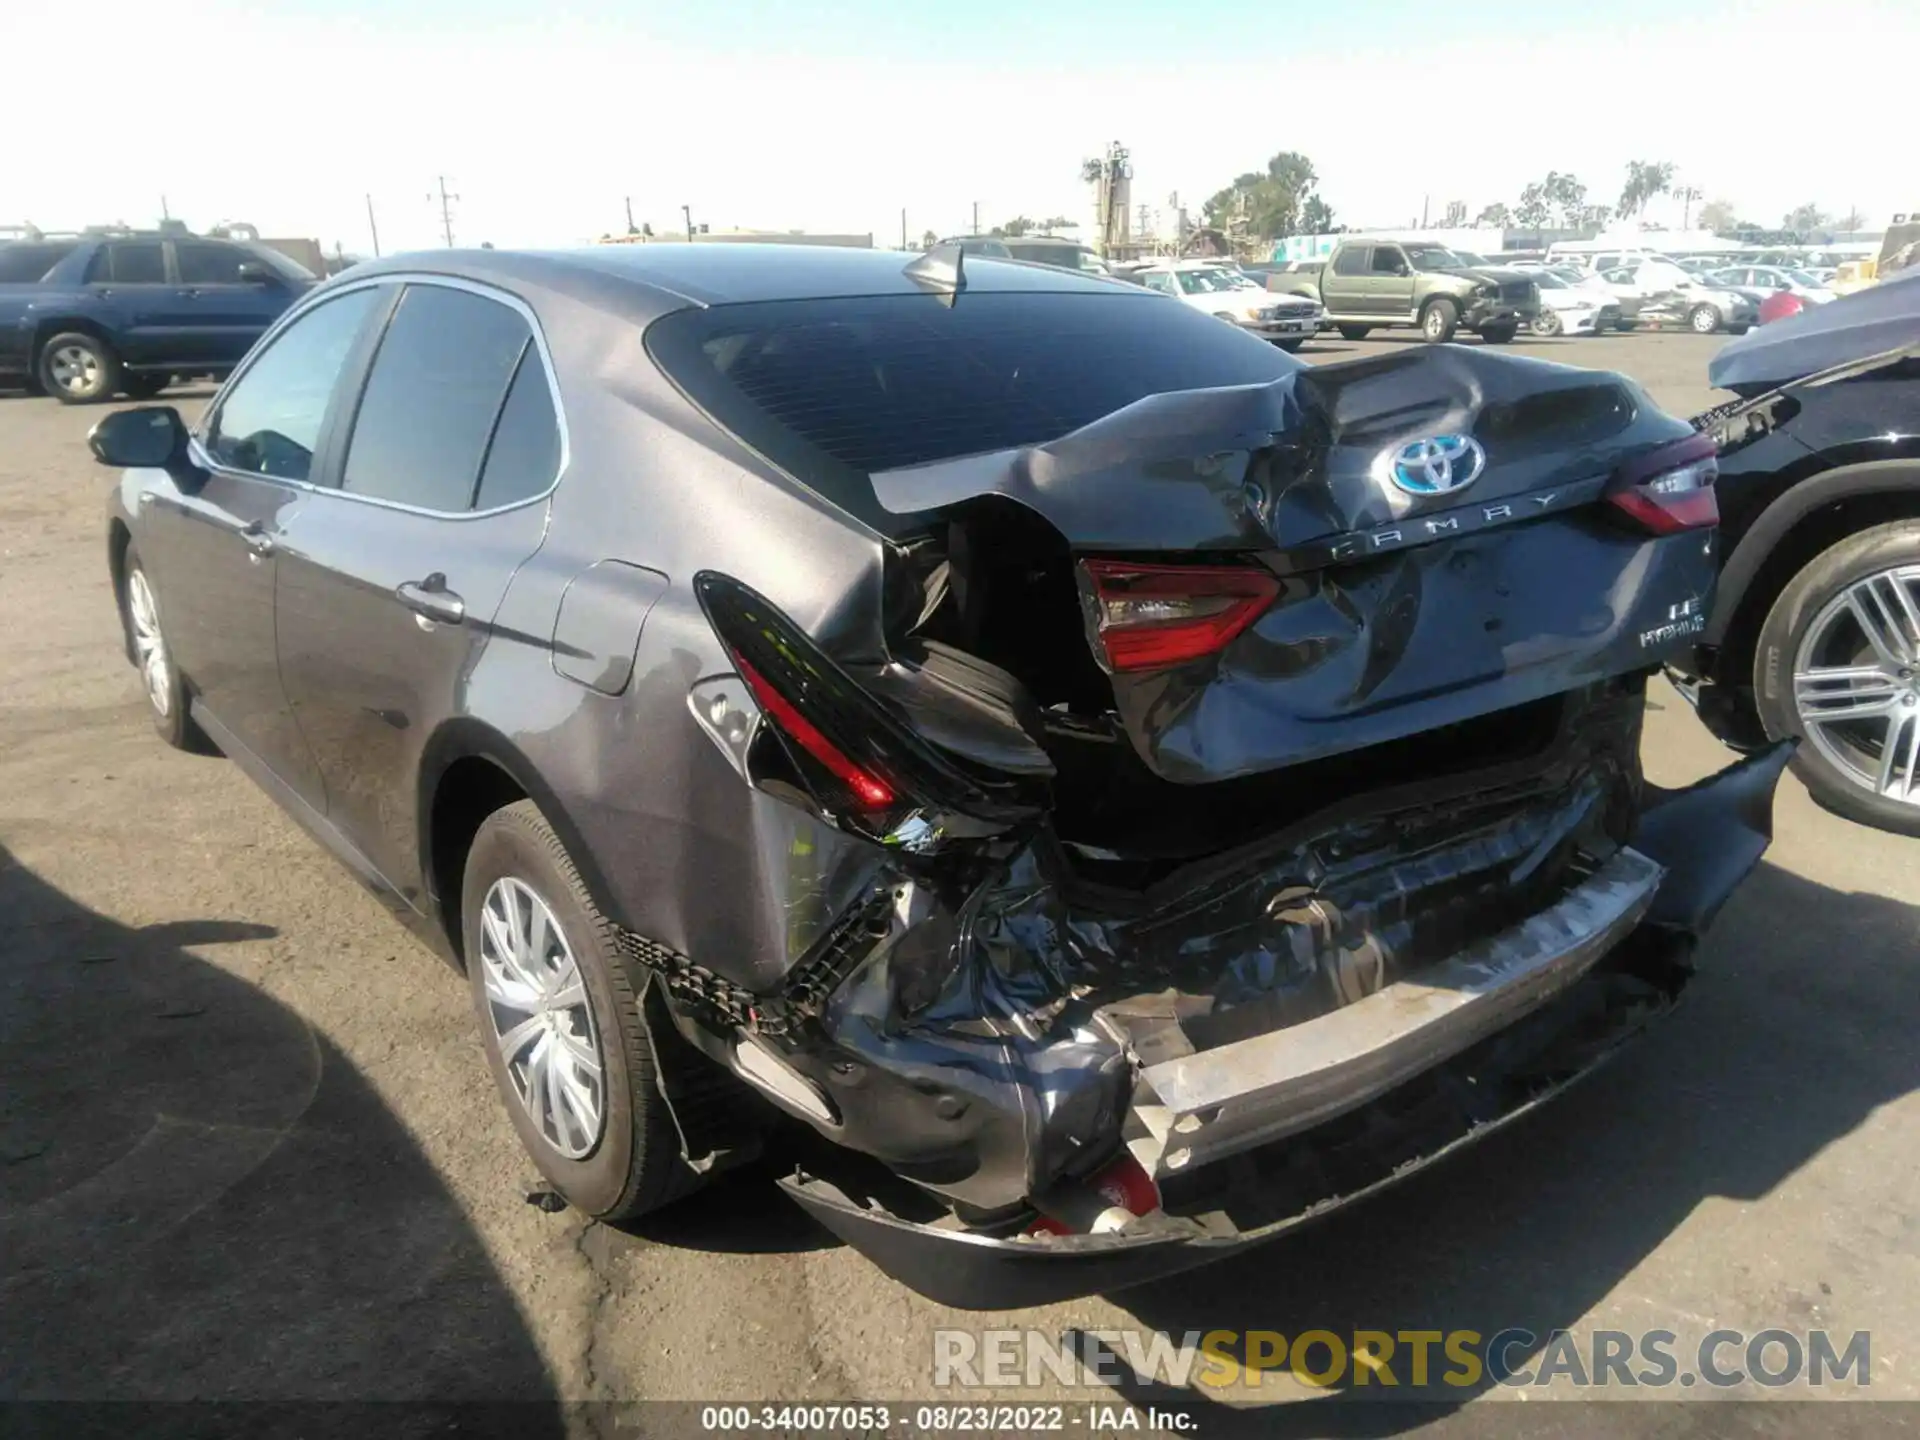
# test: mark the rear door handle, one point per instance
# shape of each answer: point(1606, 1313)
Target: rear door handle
point(430, 599)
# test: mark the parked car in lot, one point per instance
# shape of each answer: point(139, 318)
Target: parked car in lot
point(1127, 791)
point(1664, 291)
point(1373, 284)
point(1569, 309)
point(1228, 293)
point(1040, 249)
point(91, 316)
point(1772, 279)
point(1815, 635)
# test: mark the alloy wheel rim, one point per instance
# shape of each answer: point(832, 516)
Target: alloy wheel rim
point(542, 1019)
point(1856, 683)
point(1434, 323)
point(149, 644)
point(1705, 321)
point(75, 369)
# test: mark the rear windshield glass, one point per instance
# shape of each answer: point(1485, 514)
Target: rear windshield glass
point(834, 390)
point(24, 262)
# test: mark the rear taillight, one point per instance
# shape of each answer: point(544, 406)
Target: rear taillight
point(1147, 617)
point(869, 791)
point(1671, 489)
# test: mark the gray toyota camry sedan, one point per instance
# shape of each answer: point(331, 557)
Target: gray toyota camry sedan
point(1126, 791)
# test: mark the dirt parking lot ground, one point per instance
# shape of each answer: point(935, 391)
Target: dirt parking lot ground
point(248, 1147)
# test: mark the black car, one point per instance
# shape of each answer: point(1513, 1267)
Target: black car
point(1127, 791)
point(1815, 635)
point(87, 317)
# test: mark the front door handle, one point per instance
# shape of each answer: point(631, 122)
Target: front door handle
point(431, 600)
point(258, 541)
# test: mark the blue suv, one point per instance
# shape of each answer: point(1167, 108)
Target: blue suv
point(100, 314)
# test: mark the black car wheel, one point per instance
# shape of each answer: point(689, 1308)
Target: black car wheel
point(1703, 319)
point(559, 1008)
point(143, 386)
point(1290, 346)
point(1838, 666)
point(1439, 320)
point(159, 676)
point(1498, 334)
point(79, 369)
point(1355, 332)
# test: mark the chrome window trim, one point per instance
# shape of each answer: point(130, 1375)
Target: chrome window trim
point(196, 445)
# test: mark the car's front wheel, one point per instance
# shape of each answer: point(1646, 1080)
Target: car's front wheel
point(147, 645)
point(1703, 319)
point(1838, 666)
point(79, 369)
point(1439, 320)
point(1546, 323)
point(1355, 332)
point(560, 1016)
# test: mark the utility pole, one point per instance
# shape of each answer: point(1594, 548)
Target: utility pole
point(631, 230)
point(903, 227)
point(164, 215)
point(976, 217)
point(446, 210)
point(1423, 210)
point(373, 228)
point(686, 214)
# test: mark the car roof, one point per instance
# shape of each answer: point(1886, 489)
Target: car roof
point(723, 274)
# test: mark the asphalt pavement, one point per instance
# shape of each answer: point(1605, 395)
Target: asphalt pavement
point(249, 1148)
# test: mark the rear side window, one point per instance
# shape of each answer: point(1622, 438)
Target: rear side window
point(270, 421)
point(23, 263)
point(834, 389)
point(1351, 261)
point(204, 263)
point(129, 262)
point(524, 457)
point(432, 397)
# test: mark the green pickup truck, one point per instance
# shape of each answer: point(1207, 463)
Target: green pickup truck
point(1375, 284)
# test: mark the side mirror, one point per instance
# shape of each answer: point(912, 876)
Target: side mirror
point(252, 272)
point(149, 438)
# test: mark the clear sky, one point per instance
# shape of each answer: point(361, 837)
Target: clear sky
point(757, 113)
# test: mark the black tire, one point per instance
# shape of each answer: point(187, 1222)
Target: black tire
point(166, 692)
point(635, 1166)
point(1828, 574)
point(1703, 319)
point(98, 368)
point(1355, 332)
point(1498, 334)
point(1292, 347)
point(143, 386)
point(1438, 320)
point(1624, 325)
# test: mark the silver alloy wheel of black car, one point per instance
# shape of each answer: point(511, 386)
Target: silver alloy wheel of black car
point(74, 370)
point(1703, 319)
point(1856, 683)
point(543, 1021)
point(149, 643)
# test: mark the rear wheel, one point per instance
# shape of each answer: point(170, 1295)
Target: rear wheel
point(559, 1007)
point(1838, 666)
point(1703, 319)
point(1498, 334)
point(143, 386)
point(1355, 332)
point(79, 369)
point(1439, 320)
point(1290, 346)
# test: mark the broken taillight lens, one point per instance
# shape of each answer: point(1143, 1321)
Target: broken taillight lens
point(867, 788)
point(1671, 489)
point(1147, 617)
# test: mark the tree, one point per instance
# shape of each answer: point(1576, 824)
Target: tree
point(1018, 226)
point(1645, 179)
point(1534, 209)
point(1268, 205)
point(1803, 218)
point(1316, 217)
point(1092, 170)
point(1495, 217)
point(1718, 216)
point(1853, 220)
point(1566, 195)
point(1594, 217)
point(1056, 222)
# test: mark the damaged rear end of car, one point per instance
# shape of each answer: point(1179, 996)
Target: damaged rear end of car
point(1245, 807)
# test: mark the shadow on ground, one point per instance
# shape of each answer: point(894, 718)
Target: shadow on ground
point(200, 1199)
point(1799, 1026)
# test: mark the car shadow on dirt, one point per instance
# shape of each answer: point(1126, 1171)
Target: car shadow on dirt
point(202, 1200)
point(1798, 1027)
